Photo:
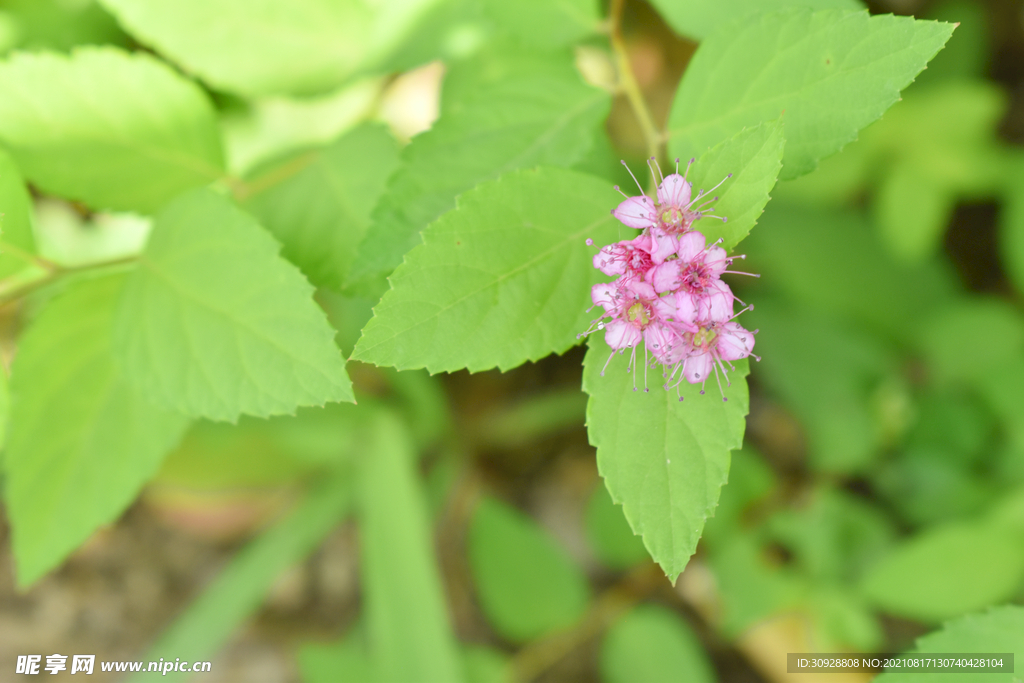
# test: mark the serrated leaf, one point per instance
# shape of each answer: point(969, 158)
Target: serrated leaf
point(753, 157)
point(82, 441)
point(664, 460)
point(1000, 629)
point(652, 643)
point(213, 323)
point(828, 73)
point(407, 620)
point(15, 216)
point(321, 213)
point(112, 129)
point(262, 47)
point(608, 532)
point(503, 279)
point(500, 113)
point(526, 584)
point(701, 18)
point(947, 571)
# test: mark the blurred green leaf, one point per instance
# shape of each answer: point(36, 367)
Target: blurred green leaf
point(525, 583)
point(947, 571)
point(1000, 629)
point(699, 19)
point(954, 422)
point(344, 662)
point(257, 452)
point(112, 129)
point(321, 211)
point(610, 537)
point(831, 72)
point(928, 485)
point(303, 47)
point(834, 537)
point(912, 211)
point(966, 54)
point(545, 23)
point(15, 216)
point(800, 350)
point(215, 324)
point(503, 279)
point(832, 261)
point(500, 111)
point(82, 442)
point(62, 25)
point(237, 592)
point(406, 617)
point(1011, 226)
point(842, 619)
point(750, 481)
point(752, 588)
point(942, 334)
point(484, 664)
point(652, 643)
point(665, 460)
point(753, 157)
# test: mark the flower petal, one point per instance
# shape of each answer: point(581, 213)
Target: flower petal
point(664, 278)
point(619, 334)
point(605, 294)
point(636, 212)
point(697, 367)
point(733, 342)
point(716, 261)
point(690, 246)
point(663, 245)
point(610, 260)
point(674, 191)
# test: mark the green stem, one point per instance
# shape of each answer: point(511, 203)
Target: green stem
point(30, 279)
point(629, 84)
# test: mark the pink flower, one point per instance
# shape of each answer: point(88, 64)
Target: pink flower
point(694, 270)
point(675, 210)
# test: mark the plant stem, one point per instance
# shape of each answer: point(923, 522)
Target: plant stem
point(27, 257)
point(26, 281)
point(628, 82)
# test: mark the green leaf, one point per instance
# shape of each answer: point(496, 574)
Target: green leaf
point(344, 662)
point(58, 25)
point(1000, 629)
point(500, 112)
point(237, 592)
point(261, 47)
point(525, 583)
point(652, 643)
point(828, 73)
point(663, 459)
point(701, 18)
point(912, 211)
point(321, 213)
point(82, 442)
point(753, 157)
point(215, 324)
point(545, 23)
point(15, 216)
point(798, 350)
point(966, 56)
point(609, 534)
point(947, 571)
point(503, 279)
point(407, 621)
point(1011, 227)
point(941, 335)
point(112, 129)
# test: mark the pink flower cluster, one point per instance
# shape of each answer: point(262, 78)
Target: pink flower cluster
point(668, 293)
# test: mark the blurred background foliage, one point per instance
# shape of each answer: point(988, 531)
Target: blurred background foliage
point(880, 493)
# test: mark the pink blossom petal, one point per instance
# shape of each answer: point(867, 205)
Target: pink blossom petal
point(664, 308)
point(636, 212)
point(663, 342)
point(716, 261)
point(674, 191)
point(697, 367)
point(686, 308)
point(610, 261)
point(665, 277)
point(638, 289)
point(604, 294)
point(733, 342)
point(621, 335)
point(690, 246)
point(716, 303)
point(664, 245)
